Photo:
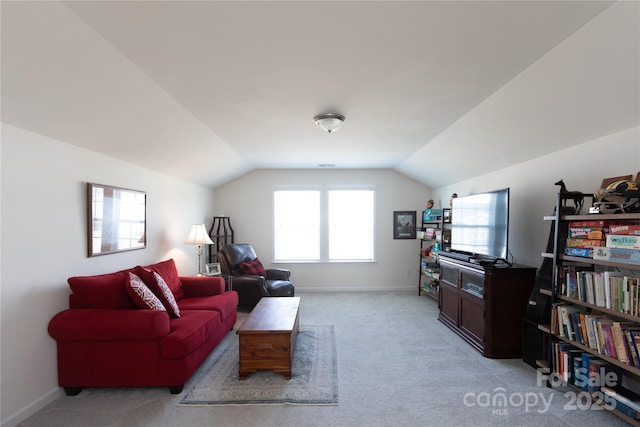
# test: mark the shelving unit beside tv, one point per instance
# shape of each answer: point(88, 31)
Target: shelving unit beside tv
point(626, 373)
point(436, 238)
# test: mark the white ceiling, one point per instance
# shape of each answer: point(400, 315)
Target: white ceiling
point(207, 90)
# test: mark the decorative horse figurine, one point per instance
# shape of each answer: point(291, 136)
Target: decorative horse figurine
point(576, 196)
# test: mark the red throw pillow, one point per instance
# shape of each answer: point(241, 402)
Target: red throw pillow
point(103, 291)
point(160, 288)
point(142, 295)
point(254, 267)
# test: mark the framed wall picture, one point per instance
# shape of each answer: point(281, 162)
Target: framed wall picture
point(213, 269)
point(116, 219)
point(404, 224)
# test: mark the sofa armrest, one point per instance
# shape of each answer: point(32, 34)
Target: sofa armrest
point(278, 274)
point(202, 286)
point(92, 324)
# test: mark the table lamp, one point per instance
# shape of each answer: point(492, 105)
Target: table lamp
point(198, 236)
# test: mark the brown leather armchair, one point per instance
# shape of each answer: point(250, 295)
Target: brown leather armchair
point(251, 287)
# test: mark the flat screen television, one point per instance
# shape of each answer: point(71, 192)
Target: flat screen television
point(480, 225)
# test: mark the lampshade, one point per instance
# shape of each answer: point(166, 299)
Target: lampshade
point(198, 236)
point(329, 122)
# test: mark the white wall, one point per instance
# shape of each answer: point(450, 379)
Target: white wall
point(44, 242)
point(248, 202)
point(533, 192)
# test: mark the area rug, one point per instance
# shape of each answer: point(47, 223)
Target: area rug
point(314, 376)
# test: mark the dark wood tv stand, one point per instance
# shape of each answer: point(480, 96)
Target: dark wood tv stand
point(485, 305)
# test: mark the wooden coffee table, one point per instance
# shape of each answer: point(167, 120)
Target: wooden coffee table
point(268, 336)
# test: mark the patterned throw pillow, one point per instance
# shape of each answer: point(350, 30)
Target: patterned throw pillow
point(164, 294)
point(252, 267)
point(167, 269)
point(142, 295)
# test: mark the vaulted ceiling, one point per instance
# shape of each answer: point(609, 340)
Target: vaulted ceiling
point(208, 90)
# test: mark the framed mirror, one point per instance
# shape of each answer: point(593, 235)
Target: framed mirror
point(117, 219)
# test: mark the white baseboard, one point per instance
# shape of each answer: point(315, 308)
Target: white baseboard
point(356, 289)
point(35, 406)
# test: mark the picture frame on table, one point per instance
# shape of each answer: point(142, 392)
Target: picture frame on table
point(404, 224)
point(212, 269)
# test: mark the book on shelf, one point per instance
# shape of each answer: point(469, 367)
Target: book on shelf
point(573, 363)
point(598, 369)
point(565, 323)
point(590, 290)
point(591, 335)
point(587, 379)
point(626, 401)
point(609, 283)
point(620, 341)
point(599, 337)
point(635, 343)
point(560, 359)
point(601, 291)
point(607, 338)
point(586, 361)
point(554, 323)
point(631, 346)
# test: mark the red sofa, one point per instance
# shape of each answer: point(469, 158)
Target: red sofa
point(111, 337)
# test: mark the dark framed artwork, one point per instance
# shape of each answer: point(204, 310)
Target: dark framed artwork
point(404, 224)
point(117, 219)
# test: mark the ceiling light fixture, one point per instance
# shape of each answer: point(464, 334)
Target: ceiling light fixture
point(330, 122)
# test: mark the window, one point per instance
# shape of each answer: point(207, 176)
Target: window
point(351, 225)
point(324, 225)
point(296, 227)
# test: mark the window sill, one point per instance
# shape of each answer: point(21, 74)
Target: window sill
point(325, 262)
